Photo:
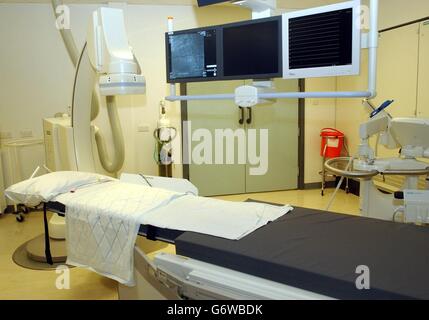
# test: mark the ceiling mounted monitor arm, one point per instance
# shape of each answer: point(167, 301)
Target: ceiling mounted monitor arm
point(372, 49)
point(371, 92)
point(260, 8)
point(107, 56)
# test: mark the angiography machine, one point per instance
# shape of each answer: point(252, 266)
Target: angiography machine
point(293, 254)
point(105, 68)
point(106, 59)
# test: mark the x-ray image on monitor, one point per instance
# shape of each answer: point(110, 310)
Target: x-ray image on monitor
point(187, 56)
point(245, 50)
point(192, 55)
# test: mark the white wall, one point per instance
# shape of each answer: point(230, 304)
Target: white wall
point(37, 76)
point(396, 12)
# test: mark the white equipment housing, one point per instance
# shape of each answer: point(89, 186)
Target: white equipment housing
point(58, 137)
point(111, 56)
point(416, 206)
point(70, 142)
point(170, 276)
point(106, 60)
point(260, 8)
point(107, 54)
point(408, 134)
point(412, 134)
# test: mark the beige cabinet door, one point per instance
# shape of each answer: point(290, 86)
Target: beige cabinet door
point(397, 74)
point(278, 163)
point(207, 117)
point(280, 120)
point(398, 79)
point(423, 83)
point(397, 70)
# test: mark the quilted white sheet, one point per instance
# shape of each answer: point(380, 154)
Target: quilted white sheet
point(102, 222)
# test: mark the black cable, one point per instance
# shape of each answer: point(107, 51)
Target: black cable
point(145, 179)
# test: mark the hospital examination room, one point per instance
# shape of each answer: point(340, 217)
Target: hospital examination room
point(214, 150)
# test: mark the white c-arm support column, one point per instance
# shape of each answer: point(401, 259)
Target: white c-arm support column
point(106, 53)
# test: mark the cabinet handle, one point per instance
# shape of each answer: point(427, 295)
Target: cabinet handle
point(241, 121)
point(249, 118)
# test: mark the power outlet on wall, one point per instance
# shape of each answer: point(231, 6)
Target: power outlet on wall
point(5, 135)
point(26, 134)
point(143, 128)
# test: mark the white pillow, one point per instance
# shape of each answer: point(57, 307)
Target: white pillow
point(33, 191)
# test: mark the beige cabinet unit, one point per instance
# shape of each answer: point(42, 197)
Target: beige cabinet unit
point(276, 157)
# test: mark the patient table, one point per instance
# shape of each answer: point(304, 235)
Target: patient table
point(308, 254)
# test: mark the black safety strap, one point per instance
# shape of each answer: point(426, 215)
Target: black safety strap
point(151, 233)
point(47, 242)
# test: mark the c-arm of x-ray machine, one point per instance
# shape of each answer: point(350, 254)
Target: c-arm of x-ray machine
point(108, 58)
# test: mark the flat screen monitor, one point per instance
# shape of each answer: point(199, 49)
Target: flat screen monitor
point(192, 55)
point(252, 49)
point(245, 50)
point(323, 41)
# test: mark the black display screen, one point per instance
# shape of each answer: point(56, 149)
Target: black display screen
point(251, 49)
point(202, 3)
point(321, 40)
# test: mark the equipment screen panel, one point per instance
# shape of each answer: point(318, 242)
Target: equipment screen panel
point(192, 55)
point(252, 49)
point(245, 50)
point(321, 40)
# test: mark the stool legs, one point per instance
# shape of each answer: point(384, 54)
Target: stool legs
point(322, 192)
